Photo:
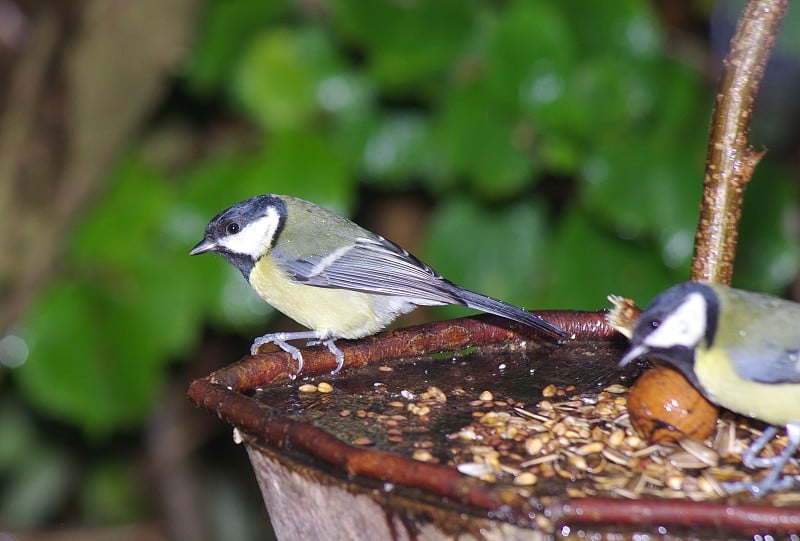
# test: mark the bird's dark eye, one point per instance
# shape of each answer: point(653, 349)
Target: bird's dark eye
point(654, 323)
point(232, 228)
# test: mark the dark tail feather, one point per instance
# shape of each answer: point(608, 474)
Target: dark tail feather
point(500, 308)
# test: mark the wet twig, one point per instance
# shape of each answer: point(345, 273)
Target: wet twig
point(731, 160)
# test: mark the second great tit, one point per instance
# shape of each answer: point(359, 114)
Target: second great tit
point(741, 350)
point(331, 275)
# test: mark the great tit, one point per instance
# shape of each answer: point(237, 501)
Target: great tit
point(331, 275)
point(741, 350)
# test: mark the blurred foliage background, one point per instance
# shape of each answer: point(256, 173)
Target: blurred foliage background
point(548, 153)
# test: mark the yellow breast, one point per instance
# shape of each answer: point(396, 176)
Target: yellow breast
point(335, 312)
point(776, 404)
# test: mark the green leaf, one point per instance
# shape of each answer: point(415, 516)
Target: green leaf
point(600, 96)
point(401, 149)
point(499, 252)
point(101, 335)
point(485, 145)
point(592, 262)
point(67, 370)
point(129, 217)
point(37, 486)
point(226, 29)
point(768, 256)
point(306, 164)
point(277, 80)
point(207, 188)
point(111, 493)
point(531, 52)
point(649, 188)
point(625, 29)
point(406, 42)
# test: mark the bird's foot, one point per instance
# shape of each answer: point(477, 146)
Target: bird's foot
point(761, 488)
point(330, 343)
point(280, 340)
point(751, 458)
point(773, 481)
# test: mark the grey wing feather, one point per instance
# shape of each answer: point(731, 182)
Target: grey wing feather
point(376, 265)
point(772, 364)
point(373, 265)
point(772, 354)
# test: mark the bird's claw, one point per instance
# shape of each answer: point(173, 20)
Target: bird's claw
point(789, 482)
point(280, 341)
point(330, 343)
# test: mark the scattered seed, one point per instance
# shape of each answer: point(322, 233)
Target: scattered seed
point(596, 464)
point(616, 457)
point(633, 442)
point(474, 469)
point(685, 461)
point(725, 442)
point(544, 523)
point(324, 387)
point(525, 479)
point(648, 451)
point(539, 460)
point(467, 434)
point(703, 453)
point(307, 388)
point(363, 441)
point(549, 391)
point(578, 462)
point(707, 483)
point(437, 394)
point(589, 438)
point(530, 414)
point(625, 493)
point(533, 446)
point(385, 368)
point(616, 438)
point(422, 455)
point(545, 405)
point(675, 482)
point(345, 413)
point(590, 448)
point(416, 409)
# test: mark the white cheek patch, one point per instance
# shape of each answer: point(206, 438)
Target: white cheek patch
point(254, 238)
point(685, 326)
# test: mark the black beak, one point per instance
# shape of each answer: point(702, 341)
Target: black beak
point(205, 245)
point(635, 351)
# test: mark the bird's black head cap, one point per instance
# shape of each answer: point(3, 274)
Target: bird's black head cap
point(232, 232)
point(674, 324)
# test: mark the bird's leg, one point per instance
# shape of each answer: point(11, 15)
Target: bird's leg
point(280, 339)
point(751, 458)
point(771, 481)
point(333, 348)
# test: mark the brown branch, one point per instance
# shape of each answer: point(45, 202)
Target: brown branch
point(730, 160)
point(87, 75)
